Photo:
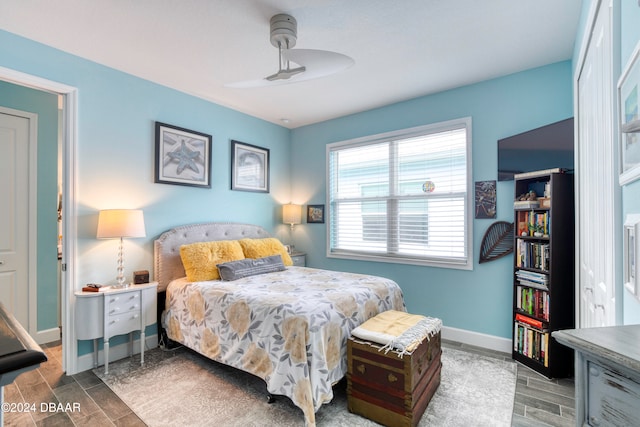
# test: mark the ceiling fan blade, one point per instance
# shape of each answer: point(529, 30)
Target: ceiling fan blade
point(319, 63)
point(316, 64)
point(285, 74)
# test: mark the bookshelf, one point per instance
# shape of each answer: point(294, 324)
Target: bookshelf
point(543, 292)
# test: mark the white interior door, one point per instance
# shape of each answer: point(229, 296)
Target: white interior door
point(597, 189)
point(17, 144)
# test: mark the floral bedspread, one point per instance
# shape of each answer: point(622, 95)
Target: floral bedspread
point(289, 328)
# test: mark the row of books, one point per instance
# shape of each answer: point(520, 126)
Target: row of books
point(533, 279)
point(532, 254)
point(533, 301)
point(530, 341)
point(530, 221)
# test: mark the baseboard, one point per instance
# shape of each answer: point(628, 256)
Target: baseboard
point(116, 352)
point(47, 336)
point(477, 339)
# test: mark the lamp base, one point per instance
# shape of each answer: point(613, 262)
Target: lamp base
point(120, 279)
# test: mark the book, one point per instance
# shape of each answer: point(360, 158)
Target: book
point(94, 288)
point(529, 321)
point(526, 204)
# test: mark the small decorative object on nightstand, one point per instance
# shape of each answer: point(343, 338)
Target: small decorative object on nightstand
point(140, 277)
point(299, 259)
point(115, 311)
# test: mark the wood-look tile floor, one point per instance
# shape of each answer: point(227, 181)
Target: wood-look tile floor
point(538, 401)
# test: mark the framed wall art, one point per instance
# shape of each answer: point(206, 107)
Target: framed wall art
point(485, 196)
point(249, 167)
point(631, 252)
point(183, 156)
point(629, 119)
point(315, 214)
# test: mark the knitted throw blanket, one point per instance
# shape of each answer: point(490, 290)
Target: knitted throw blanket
point(398, 330)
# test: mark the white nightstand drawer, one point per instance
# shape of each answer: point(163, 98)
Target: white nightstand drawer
point(124, 323)
point(299, 259)
point(123, 303)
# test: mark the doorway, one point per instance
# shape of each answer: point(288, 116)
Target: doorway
point(68, 114)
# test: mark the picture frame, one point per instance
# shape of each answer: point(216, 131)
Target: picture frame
point(632, 254)
point(315, 214)
point(249, 167)
point(629, 117)
point(485, 198)
point(182, 156)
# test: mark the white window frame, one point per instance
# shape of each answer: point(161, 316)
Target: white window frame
point(464, 264)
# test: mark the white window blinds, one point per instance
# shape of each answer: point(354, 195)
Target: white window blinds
point(403, 197)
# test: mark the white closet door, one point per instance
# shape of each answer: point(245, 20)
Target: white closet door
point(596, 176)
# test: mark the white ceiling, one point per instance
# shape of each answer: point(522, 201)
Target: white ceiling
point(402, 49)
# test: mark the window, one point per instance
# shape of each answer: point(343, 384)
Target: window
point(403, 196)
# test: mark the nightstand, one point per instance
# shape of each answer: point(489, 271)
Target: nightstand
point(299, 259)
point(115, 311)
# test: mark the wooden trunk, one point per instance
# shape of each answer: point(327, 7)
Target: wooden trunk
point(388, 388)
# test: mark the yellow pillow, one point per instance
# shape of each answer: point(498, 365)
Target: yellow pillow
point(260, 248)
point(200, 260)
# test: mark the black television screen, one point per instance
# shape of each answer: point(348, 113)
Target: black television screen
point(546, 147)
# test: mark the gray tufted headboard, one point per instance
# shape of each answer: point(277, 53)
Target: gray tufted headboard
point(166, 249)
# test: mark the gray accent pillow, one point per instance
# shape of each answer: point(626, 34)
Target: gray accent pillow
point(234, 270)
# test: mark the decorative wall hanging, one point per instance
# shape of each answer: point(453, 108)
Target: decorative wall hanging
point(632, 254)
point(629, 119)
point(183, 157)
point(315, 214)
point(249, 167)
point(485, 199)
point(497, 241)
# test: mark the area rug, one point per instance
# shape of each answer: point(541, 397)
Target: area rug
point(184, 388)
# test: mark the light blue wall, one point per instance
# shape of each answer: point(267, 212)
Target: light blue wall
point(115, 156)
point(115, 167)
point(629, 39)
point(478, 300)
point(45, 105)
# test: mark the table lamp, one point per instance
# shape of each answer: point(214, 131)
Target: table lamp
point(118, 224)
point(291, 214)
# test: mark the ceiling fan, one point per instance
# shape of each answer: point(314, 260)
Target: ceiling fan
point(309, 63)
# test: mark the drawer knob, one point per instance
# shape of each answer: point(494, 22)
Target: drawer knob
point(594, 371)
point(361, 368)
point(594, 421)
point(392, 378)
point(114, 310)
point(114, 299)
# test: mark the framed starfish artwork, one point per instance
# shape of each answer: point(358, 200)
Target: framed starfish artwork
point(249, 167)
point(183, 156)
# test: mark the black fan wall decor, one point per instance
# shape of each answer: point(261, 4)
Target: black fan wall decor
point(497, 241)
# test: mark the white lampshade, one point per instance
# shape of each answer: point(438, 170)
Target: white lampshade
point(119, 223)
point(116, 223)
point(291, 214)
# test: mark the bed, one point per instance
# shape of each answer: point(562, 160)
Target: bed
point(288, 327)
